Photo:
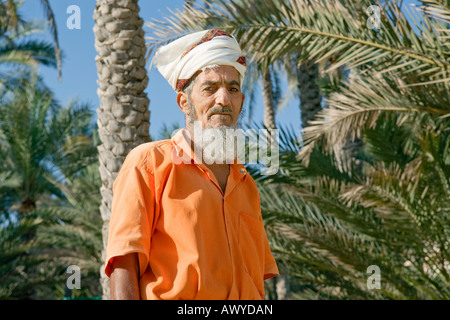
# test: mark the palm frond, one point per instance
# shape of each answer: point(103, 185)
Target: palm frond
point(29, 53)
point(9, 180)
point(392, 213)
point(362, 101)
point(437, 9)
point(318, 30)
point(53, 29)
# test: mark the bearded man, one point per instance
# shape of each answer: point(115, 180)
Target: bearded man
point(186, 223)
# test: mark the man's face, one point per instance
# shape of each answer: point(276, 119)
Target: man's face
point(216, 97)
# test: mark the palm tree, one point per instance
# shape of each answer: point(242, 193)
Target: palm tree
point(47, 200)
point(27, 143)
point(18, 52)
point(15, 259)
point(46, 151)
point(71, 232)
point(123, 115)
point(16, 49)
point(327, 226)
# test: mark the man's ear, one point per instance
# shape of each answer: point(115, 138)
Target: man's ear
point(183, 104)
point(242, 105)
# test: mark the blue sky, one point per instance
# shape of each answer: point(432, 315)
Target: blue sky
point(79, 71)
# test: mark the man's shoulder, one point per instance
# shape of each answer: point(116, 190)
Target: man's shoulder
point(149, 153)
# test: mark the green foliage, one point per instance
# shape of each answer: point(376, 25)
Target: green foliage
point(50, 197)
point(328, 227)
point(19, 52)
point(49, 179)
point(15, 259)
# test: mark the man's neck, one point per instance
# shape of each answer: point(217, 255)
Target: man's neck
point(221, 172)
point(217, 166)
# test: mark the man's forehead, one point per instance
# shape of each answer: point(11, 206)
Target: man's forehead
point(219, 74)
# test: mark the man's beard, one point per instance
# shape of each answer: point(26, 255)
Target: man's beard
point(211, 141)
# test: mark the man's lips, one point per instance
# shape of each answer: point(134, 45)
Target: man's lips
point(221, 113)
point(220, 116)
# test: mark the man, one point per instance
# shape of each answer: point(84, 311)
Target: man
point(184, 224)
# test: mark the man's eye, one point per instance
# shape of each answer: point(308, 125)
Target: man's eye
point(234, 90)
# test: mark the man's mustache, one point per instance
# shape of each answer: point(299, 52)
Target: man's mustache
point(219, 109)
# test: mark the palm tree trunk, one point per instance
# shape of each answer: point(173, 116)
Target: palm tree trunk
point(310, 96)
point(269, 108)
point(123, 115)
point(310, 105)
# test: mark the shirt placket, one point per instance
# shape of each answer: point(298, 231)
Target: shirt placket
point(231, 184)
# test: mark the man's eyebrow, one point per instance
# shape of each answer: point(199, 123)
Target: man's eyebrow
point(233, 82)
point(213, 83)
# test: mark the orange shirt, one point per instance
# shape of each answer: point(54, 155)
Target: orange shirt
point(193, 241)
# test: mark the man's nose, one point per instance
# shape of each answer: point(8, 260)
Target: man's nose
point(223, 97)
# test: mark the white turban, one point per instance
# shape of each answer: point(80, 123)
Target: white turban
point(181, 59)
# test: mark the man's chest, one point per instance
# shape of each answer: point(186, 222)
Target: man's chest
point(201, 197)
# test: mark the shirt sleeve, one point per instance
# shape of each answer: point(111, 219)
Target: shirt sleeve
point(132, 216)
point(270, 266)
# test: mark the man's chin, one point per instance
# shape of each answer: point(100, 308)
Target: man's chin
point(220, 120)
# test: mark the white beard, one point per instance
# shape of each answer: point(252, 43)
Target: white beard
point(213, 144)
point(226, 144)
